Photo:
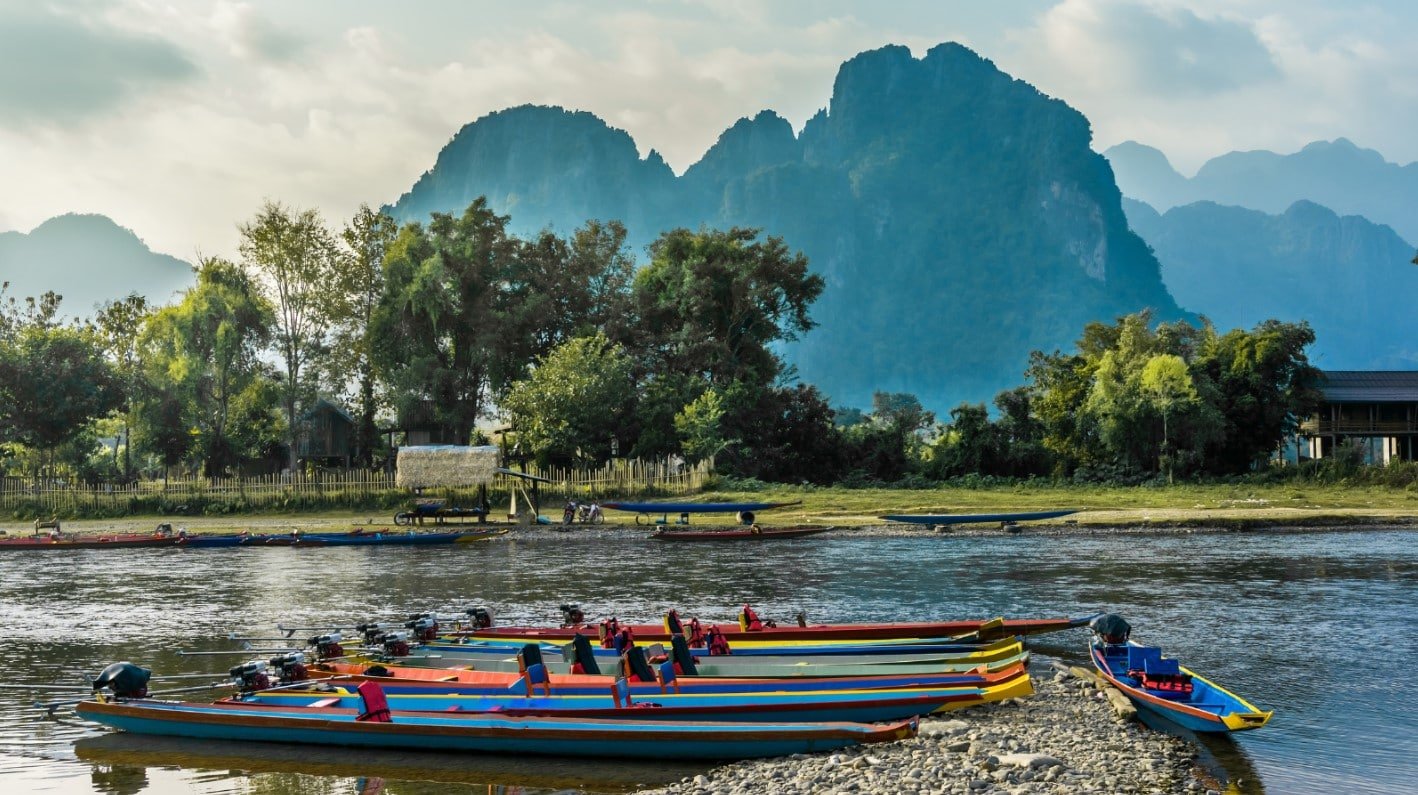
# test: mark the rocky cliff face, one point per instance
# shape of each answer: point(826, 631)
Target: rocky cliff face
point(1344, 274)
point(959, 216)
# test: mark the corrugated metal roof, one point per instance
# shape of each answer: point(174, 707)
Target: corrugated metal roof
point(1369, 386)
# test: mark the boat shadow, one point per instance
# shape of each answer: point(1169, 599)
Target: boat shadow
point(120, 762)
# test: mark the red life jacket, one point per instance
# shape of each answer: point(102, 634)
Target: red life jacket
point(750, 620)
point(376, 706)
point(696, 634)
point(718, 644)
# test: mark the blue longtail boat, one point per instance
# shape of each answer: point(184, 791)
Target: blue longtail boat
point(1163, 687)
point(976, 518)
point(377, 726)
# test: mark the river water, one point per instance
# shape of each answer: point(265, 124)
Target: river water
point(1319, 627)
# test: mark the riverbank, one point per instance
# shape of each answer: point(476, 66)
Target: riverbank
point(1063, 739)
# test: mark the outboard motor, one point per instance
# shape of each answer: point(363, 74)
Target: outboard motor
point(482, 617)
point(396, 644)
point(374, 630)
point(425, 627)
point(251, 676)
point(572, 616)
point(290, 667)
point(1111, 628)
point(327, 647)
point(124, 679)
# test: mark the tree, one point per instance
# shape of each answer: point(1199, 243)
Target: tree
point(438, 328)
point(205, 348)
point(354, 298)
point(712, 303)
point(294, 253)
point(53, 382)
point(118, 325)
point(1167, 384)
point(700, 426)
point(571, 405)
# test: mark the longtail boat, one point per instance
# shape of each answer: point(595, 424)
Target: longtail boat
point(976, 518)
point(754, 533)
point(751, 628)
point(916, 650)
point(395, 678)
point(74, 541)
point(616, 701)
point(666, 508)
point(1163, 687)
point(377, 726)
point(375, 538)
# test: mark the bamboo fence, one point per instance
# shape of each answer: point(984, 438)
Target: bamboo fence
point(336, 489)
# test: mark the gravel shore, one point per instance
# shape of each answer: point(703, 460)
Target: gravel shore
point(1063, 739)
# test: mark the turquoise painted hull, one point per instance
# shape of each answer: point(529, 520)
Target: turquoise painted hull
point(455, 657)
point(874, 707)
point(491, 733)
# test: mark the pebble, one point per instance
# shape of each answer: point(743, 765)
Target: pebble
point(1060, 740)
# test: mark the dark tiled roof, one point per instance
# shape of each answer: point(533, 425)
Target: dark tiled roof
point(1370, 386)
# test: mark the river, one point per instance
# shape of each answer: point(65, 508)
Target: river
point(1318, 626)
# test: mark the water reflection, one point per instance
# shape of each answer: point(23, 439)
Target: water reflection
point(1282, 619)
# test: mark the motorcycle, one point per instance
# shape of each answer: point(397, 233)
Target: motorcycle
point(590, 513)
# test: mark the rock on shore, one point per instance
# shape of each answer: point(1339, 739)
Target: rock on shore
point(1063, 739)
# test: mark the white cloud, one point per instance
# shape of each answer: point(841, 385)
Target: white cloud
point(330, 103)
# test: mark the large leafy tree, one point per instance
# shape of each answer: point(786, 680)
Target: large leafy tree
point(713, 303)
point(54, 381)
point(353, 300)
point(206, 349)
point(573, 403)
point(439, 325)
point(293, 255)
point(1263, 385)
point(117, 326)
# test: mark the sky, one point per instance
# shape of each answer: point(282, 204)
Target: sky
point(178, 118)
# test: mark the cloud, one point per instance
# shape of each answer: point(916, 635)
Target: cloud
point(1109, 43)
point(59, 68)
point(252, 36)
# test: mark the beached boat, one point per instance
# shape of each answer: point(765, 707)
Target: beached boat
point(754, 533)
point(933, 519)
point(396, 678)
point(373, 538)
point(1162, 686)
point(75, 541)
point(666, 508)
point(746, 630)
point(616, 701)
point(376, 726)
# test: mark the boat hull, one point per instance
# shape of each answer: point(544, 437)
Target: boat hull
point(1210, 709)
point(975, 518)
point(737, 534)
point(492, 733)
point(821, 632)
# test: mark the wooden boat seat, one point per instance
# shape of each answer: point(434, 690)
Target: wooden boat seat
point(452, 678)
point(324, 702)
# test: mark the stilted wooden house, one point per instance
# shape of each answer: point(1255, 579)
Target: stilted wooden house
point(1377, 407)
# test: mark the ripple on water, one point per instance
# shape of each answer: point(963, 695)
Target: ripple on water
point(1315, 626)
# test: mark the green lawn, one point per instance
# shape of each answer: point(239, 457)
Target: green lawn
point(1179, 504)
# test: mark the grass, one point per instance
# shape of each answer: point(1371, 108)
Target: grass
point(1182, 504)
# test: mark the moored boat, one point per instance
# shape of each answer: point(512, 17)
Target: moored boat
point(753, 533)
point(377, 726)
point(1162, 686)
point(933, 519)
point(375, 538)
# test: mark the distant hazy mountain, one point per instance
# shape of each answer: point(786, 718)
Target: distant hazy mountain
point(89, 260)
point(959, 216)
point(1347, 276)
point(1336, 174)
